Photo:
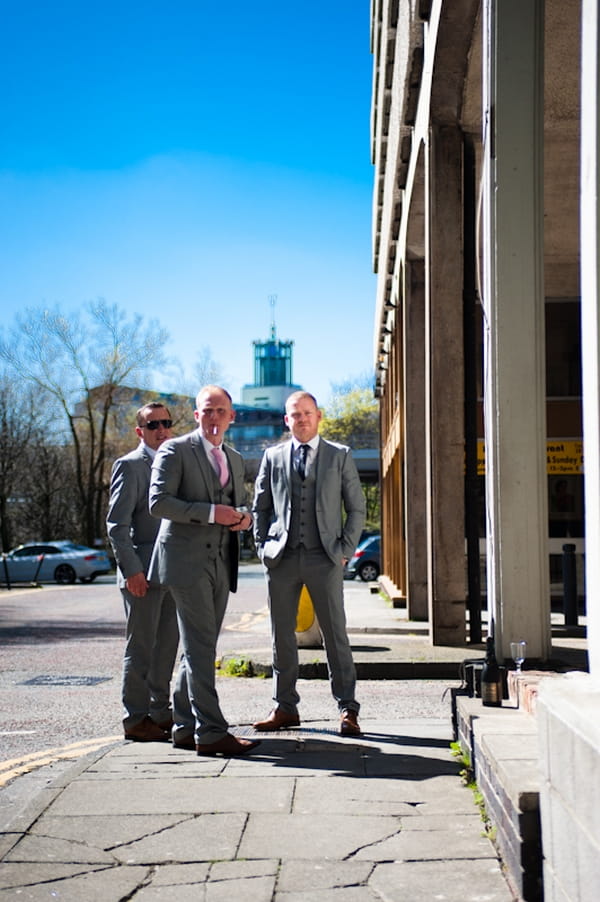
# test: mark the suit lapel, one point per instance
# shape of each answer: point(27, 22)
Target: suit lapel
point(229, 457)
point(205, 465)
point(324, 453)
point(286, 464)
point(145, 457)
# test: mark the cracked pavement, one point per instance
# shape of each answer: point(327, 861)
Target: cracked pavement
point(309, 816)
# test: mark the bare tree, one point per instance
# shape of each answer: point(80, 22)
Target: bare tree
point(48, 494)
point(205, 371)
point(18, 426)
point(79, 362)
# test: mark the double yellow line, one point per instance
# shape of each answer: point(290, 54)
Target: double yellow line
point(15, 767)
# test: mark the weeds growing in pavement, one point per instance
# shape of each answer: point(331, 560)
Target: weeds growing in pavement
point(467, 776)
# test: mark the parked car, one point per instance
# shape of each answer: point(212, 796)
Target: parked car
point(63, 562)
point(365, 561)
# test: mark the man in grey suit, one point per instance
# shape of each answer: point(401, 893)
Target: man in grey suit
point(302, 539)
point(152, 634)
point(197, 487)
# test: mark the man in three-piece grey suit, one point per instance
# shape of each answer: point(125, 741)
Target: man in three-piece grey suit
point(197, 488)
point(152, 634)
point(302, 539)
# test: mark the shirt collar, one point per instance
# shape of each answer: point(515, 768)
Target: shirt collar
point(314, 443)
point(208, 446)
point(151, 452)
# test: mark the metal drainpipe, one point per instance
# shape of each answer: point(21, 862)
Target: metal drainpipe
point(470, 362)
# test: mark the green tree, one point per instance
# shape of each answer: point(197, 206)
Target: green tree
point(352, 418)
point(77, 364)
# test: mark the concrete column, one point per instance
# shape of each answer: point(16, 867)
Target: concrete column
point(513, 301)
point(590, 279)
point(415, 511)
point(445, 386)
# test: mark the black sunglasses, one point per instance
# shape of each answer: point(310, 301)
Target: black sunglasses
point(154, 424)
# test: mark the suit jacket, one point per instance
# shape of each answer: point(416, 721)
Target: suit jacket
point(337, 483)
point(182, 489)
point(131, 527)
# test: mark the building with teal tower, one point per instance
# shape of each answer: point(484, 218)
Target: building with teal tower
point(272, 373)
point(259, 417)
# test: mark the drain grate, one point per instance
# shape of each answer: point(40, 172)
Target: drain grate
point(48, 679)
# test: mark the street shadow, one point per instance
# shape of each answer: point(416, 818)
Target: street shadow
point(354, 759)
point(49, 632)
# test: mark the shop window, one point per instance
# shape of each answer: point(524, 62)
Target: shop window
point(563, 348)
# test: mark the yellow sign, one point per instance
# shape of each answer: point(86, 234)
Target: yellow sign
point(562, 457)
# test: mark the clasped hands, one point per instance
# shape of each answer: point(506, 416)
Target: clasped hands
point(236, 520)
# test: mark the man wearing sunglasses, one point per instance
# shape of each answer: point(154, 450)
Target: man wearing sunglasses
point(152, 635)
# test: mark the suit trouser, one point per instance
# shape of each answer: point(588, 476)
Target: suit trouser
point(200, 611)
point(325, 583)
point(152, 638)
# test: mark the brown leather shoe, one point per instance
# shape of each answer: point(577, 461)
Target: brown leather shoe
point(165, 724)
point(229, 746)
point(146, 731)
point(349, 723)
point(278, 719)
point(185, 742)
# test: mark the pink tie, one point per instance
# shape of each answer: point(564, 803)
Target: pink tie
point(221, 465)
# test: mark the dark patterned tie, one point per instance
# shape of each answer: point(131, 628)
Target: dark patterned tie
point(302, 461)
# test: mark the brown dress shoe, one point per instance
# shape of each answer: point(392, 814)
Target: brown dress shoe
point(146, 731)
point(165, 724)
point(278, 719)
point(185, 742)
point(229, 746)
point(349, 723)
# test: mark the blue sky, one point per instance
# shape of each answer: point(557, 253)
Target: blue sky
point(187, 161)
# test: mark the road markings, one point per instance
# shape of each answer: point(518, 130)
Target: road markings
point(249, 621)
point(15, 767)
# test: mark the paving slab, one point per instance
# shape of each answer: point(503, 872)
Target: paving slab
point(322, 874)
point(205, 837)
point(51, 848)
point(464, 841)
point(335, 836)
point(191, 795)
point(106, 885)
point(474, 881)
point(103, 831)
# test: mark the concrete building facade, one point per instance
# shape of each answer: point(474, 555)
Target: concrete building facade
point(487, 345)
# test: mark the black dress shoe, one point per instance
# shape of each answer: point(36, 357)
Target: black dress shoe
point(229, 746)
point(278, 719)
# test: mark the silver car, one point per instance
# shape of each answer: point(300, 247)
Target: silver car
point(62, 562)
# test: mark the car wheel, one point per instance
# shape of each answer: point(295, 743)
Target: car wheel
point(64, 573)
point(368, 572)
